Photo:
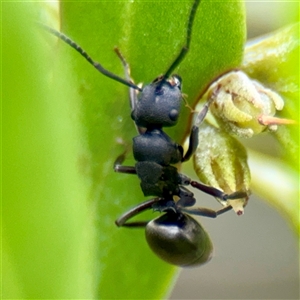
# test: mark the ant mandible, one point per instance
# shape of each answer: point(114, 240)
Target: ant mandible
point(175, 236)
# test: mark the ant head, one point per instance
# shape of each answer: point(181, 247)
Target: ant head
point(179, 239)
point(159, 103)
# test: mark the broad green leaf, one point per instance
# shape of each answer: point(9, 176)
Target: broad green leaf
point(62, 121)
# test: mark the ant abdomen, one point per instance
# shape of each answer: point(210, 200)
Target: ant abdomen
point(179, 239)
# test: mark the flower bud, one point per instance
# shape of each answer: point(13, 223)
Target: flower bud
point(221, 161)
point(243, 106)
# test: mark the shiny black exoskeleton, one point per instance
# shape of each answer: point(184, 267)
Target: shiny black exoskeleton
point(174, 236)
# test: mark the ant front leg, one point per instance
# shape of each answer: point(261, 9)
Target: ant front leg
point(193, 140)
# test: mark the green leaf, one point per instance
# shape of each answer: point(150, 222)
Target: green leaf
point(62, 121)
point(46, 235)
point(274, 61)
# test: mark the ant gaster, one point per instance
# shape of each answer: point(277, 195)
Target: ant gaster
point(175, 236)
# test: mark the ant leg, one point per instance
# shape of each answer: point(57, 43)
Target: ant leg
point(184, 180)
point(122, 221)
point(132, 93)
point(240, 197)
point(193, 140)
point(218, 193)
point(206, 212)
point(118, 167)
point(186, 197)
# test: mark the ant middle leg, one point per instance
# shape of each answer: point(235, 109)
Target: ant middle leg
point(118, 164)
point(206, 212)
point(218, 193)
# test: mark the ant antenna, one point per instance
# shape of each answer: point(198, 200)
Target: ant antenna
point(186, 47)
point(97, 65)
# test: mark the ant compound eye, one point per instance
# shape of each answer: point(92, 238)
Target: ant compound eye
point(179, 240)
point(174, 114)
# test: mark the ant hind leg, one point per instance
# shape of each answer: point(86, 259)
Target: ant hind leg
point(148, 204)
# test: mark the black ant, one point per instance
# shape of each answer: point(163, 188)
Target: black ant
point(175, 236)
